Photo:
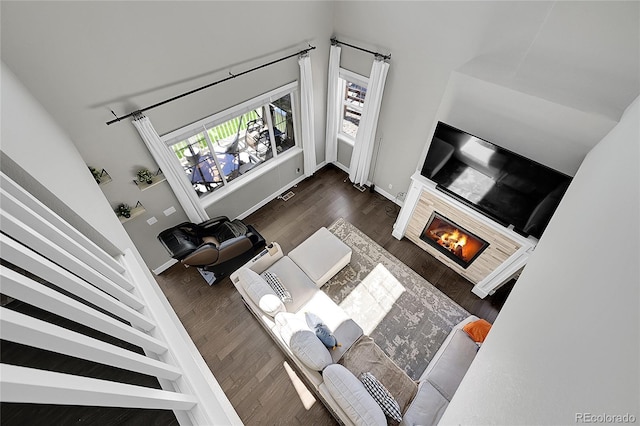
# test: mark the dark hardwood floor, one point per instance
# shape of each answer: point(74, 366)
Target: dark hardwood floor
point(248, 365)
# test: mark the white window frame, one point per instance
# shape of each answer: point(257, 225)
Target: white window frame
point(220, 117)
point(344, 76)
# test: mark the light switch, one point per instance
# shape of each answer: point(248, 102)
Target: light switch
point(152, 220)
point(171, 210)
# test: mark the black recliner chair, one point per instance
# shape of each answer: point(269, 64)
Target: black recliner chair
point(217, 245)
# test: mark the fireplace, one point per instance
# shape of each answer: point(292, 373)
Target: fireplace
point(455, 242)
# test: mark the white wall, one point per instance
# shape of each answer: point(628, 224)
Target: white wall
point(567, 340)
point(35, 142)
point(567, 53)
point(555, 135)
point(81, 59)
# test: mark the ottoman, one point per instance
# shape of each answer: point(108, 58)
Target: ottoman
point(321, 256)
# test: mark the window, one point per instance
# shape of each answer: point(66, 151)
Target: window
point(354, 90)
point(219, 149)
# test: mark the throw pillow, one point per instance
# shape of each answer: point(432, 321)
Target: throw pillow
point(288, 324)
point(382, 396)
point(322, 331)
point(312, 320)
point(274, 282)
point(260, 293)
point(352, 397)
point(326, 337)
point(308, 349)
point(477, 330)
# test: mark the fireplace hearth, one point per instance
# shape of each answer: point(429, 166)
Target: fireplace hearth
point(505, 254)
point(455, 242)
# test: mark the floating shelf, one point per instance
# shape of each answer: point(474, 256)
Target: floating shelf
point(159, 177)
point(135, 212)
point(105, 178)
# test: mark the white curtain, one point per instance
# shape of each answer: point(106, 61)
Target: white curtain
point(365, 138)
point(181, 186)
point(333, 105)
point(306, 109)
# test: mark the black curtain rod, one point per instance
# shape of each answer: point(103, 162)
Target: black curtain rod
point(117, 119)
point(385, 57)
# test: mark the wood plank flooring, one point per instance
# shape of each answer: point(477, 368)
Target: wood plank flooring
point(247, 364)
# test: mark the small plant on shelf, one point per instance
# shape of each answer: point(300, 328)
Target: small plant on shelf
point(145, 175)
point(96, 174)
point(124, 210)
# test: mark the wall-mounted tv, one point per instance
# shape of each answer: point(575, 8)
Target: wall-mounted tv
point(505, 186)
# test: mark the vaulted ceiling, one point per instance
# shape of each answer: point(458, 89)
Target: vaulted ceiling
point(76, 56)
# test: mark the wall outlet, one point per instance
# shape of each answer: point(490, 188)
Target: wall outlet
point(152, 220)
point(171, 210)
point(390, 186)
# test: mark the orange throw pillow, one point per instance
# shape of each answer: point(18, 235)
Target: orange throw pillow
point(477, 330)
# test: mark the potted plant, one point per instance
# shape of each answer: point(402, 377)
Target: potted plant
point(124, 210)
point(145, 175)
point(96, 174)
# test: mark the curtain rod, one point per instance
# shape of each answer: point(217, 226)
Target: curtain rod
point(335, 41)
point(117, 119)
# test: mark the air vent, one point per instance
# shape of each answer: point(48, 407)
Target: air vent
point(287, 196)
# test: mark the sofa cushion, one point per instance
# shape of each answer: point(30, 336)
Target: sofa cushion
point(299, 285)
point(259, 292)
point(321, 256)
point(365, 356)
point(453, 363)
point(352, 397)
point(427, 407)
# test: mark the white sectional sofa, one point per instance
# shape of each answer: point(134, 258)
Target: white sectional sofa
point(327, 372)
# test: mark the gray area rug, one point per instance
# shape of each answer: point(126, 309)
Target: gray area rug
point(405, 315)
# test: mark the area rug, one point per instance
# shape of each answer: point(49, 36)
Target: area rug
point(404, 314)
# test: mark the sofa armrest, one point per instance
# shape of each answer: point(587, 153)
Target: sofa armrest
point(445, 344)
point(427, 407)
point(263, 260)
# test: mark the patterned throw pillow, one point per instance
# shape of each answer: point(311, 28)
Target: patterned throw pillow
point(382, 396)
point(277, 286)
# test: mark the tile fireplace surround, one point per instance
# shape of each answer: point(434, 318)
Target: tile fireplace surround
point(504, 258)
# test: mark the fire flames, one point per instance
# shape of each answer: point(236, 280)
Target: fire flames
point(456, 242)
point(453, 240)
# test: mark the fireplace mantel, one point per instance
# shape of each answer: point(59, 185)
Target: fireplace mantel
point(508, 251)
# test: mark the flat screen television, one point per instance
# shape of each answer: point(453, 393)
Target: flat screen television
point(505, 186)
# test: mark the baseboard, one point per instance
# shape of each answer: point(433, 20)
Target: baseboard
point(168, 264)
point(270, 197)
point(388, 196)
point(341, 167)
point(479, 292)
point(377, 189)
